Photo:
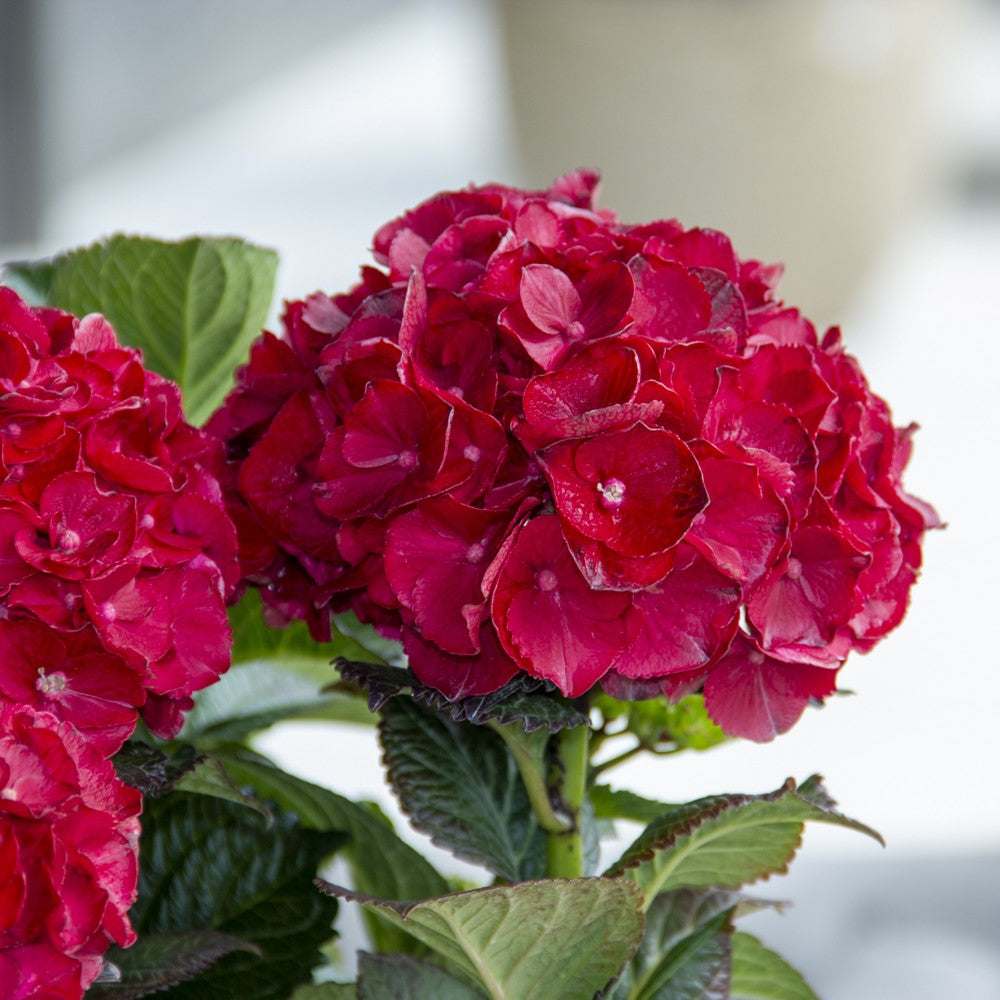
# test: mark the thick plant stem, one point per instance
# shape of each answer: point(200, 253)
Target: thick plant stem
point(568, 788)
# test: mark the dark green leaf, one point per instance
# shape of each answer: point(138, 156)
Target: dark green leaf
point(400, 977)
point(381, 864)
point(143, 767)
point(615, 803)
point(525, 700)
point(208, 864)
point(684, 954)
point(192, 307)
point(460, 785)
point(725, 841)
point(158, 961)
point(760, 974)
point(379, 681)
point(559, 939)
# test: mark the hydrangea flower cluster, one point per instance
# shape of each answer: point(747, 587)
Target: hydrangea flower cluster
point(541, 440)
point(116, 553)
point(68, 853)
point(116, 560)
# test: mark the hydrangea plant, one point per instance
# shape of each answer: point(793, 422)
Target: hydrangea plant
point(541, 492)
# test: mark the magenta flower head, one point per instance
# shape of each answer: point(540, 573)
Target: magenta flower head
point(116, 552)
point(541, 441)
point(69, 836)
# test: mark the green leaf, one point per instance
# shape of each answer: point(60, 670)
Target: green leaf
point(616, 803)
point(524, 700)
point(253, 696)
point(32, 280)
point(291, 647)
point(559, 939)
point(760, 974)
point(192, 307)
point(400, 977)
point(326, 991)
point(380, 863)
point(277, 674)
point(208, 864)
point(685, 725)
point(158, 961)
point(685, 952)
point(209, 777)
point(143, 767)
point(460, 785)
point(726, 841)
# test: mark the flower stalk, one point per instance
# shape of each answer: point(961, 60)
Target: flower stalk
point(568, 786)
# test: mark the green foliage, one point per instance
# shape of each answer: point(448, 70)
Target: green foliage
point(658, 723)
point(524, 701)
point(760, 974)
point(212, 865)
point(208, 776)
point(618, 803)
point(551, 940)
point(459, 784)
point(725, 841)
point(157, 962)
point(192, 307)
point(400, 977)
point(326, 991)
point(380, 863)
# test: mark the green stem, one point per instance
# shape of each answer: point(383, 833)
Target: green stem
point(528, 750)
point(569, 786)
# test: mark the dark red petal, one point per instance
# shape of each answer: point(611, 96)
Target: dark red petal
point(756, 697)
point(550, 622)
point(670, 303)
point(435, 557)
point(744, 529)
point(460, 676)
point(637, 490)
point(681, 624)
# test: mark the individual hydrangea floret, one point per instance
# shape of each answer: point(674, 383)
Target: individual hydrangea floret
point(116, 551)
point(540, 440)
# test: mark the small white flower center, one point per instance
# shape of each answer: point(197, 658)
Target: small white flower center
point(794, 570)
point(756, 657)
point(546, 580)
point(475, 552)
point(612, 493)
point(107, 611)
point(472, 453)
point(407, 459)
point(54, 683)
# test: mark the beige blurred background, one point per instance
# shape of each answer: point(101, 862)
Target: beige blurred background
point(858, 140)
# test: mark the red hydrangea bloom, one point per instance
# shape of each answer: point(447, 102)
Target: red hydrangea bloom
point(69, 837)
point(116, 551)
point(545, 441)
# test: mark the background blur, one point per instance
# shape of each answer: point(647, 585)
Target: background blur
point(859, 140)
